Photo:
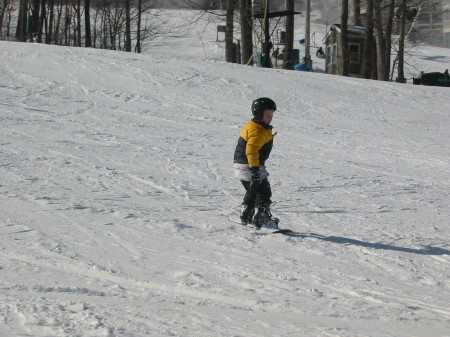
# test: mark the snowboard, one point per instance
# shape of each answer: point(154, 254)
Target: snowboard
point(269, 228)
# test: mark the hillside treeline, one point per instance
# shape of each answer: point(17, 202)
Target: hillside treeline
point(106, 24)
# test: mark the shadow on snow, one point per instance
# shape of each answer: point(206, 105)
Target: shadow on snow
point(427, 250)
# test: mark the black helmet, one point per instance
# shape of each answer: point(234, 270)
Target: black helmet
point(261, 104)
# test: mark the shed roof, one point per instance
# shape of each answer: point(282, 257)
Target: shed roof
point(350, 28)
point(260, 15)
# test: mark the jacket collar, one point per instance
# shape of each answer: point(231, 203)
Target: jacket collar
point(265, 125)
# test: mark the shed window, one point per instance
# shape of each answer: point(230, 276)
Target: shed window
point(353, 51)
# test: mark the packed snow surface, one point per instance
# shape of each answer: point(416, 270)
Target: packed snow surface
point(116, 182)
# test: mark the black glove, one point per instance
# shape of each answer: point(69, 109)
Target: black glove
point(256, 177)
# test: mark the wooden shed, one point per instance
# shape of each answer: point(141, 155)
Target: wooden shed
point(333, 61)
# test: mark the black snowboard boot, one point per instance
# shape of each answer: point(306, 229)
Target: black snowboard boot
point(247, 213)
point(262, 216)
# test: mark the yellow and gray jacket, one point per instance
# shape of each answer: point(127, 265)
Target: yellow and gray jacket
point(254, 144)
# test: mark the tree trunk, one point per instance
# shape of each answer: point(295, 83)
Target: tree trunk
point(138, 37)
point(307, 57)
point(344, 39)
point(289, 40)
point(57, 34)
point(266, 44)
point(229, 48)
point(246, 31)
point(87, 23)
point(50, 33)
point(41, 20)
point(128, 25)
point(21, 30)
point(78, 26)
point(388, 40)
point(67, 24)
point(380, 43)
point(367, 68)
point(401, 43)
point(104, 29)
point(34, 26)
point(357, 13)
point(2, 14)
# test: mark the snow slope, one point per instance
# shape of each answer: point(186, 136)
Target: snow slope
point(116, 182)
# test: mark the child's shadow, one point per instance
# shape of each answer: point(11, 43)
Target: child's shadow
point(427, 250)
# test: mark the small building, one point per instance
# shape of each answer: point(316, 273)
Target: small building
point(333, 60)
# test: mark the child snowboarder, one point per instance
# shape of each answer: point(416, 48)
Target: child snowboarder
point(252, 151)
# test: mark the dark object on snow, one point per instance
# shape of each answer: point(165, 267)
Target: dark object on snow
point(320, 54)
point(433, 79)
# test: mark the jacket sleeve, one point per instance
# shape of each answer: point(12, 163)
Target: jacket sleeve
point(254, 143)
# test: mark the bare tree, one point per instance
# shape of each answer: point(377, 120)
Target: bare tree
point(307, 57)
point(77, 27)
point(5, 16)
point(67, 25)
point(246, 31)
point(289, 39)
point(408, 13)
point(116, 23)
point(58, 29)
point(21, 30)
point(49, 35)
point(87, 23)
point(230, 52)
point(344, 39)
point(138, 48)
point(266, 45)
point(128, 25)
point(380, 44)
point(34, 26)
point(42, 17)
point(357, 13)
point(367, 64)
point(388, 40)
point(401, 43)
point(3, 6)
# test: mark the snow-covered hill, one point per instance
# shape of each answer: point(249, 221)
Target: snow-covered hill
point(116, 182)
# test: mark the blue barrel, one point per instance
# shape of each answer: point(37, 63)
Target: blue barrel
point(301, 66)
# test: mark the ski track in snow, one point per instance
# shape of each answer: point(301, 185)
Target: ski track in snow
point(116, 183)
